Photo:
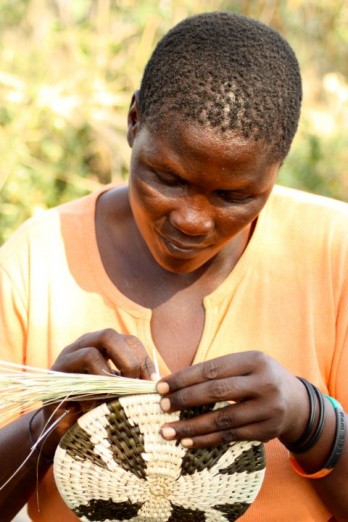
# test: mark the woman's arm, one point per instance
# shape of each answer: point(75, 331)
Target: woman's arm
point(92, 354)
point(15, 447)
point(268, 402)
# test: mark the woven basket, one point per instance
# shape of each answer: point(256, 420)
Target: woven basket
point(113, 465)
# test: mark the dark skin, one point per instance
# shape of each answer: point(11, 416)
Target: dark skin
point(190, 209)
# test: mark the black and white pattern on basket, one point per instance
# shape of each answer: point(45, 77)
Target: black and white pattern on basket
point(113, 465)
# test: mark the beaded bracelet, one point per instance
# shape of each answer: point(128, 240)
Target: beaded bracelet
point(338, 445)
point(38, 450)
point(337, 448)
point(308, 440)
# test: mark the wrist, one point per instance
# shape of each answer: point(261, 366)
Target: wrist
point(43, 440)
point(315, 425)
point(305, 415)
point(321, 460)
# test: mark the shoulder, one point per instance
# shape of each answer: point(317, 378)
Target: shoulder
point(43, 227)
point(49, 221)
point(308, 227)
point(302, 203)
point(47, 231)
point(308, 224)
point(307, 215)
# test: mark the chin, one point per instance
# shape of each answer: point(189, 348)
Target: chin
point(179, 266)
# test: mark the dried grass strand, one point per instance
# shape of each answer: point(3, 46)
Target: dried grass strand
point(25, 388)
point(45, 432)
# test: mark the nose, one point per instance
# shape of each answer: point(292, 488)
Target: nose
point(192, 216)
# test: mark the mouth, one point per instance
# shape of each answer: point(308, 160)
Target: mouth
point(179, 248)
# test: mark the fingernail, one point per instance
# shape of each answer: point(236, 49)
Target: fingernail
point(163, 388)
point(168, 433)
point(187, 443)
point(165, 404)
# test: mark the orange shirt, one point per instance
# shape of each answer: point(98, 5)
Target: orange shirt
point(287, 296)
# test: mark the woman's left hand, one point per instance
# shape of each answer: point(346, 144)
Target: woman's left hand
point(267, 401)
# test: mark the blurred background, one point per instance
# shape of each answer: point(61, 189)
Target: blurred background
point(68, 69)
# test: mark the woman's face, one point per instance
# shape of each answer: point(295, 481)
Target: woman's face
point(192, 191)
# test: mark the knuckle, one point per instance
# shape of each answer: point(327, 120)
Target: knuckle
point(210, 370)
point(91, 356)
point(228, 436)
point(259, 358)
point(133, 368)
point(178, 382)
point(271, 385)
point(180, 398)
point(218, 390)
point(132, 340)
point(223, 420)
point(78, 344)
point(186, 430)
point(278, 410)
point(109, 335)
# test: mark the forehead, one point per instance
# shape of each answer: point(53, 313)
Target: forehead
point(202, 143)
point(205, 158)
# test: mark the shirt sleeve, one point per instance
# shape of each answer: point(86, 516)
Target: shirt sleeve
point(339, 380)
point(338, 384)
point(13, 320)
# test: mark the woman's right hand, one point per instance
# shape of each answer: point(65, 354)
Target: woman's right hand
point(99, 353)
point(92, 352)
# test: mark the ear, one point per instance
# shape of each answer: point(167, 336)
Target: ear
point(133, 118)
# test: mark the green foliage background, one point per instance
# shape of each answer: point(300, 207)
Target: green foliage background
point(69, 67)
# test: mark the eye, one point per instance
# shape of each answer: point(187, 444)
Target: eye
point(169, 179)
point(232, 196)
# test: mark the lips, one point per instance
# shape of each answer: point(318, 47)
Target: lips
point(176, 247)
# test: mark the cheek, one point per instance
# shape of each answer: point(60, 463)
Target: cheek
point(232, 221)
point(146, 203)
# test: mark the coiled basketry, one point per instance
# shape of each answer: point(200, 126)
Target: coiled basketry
point(114, 465)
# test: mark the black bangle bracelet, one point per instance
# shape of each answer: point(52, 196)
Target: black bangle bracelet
point(38, 450)
point(304, 437)
point(299, 447)
point(317, 434)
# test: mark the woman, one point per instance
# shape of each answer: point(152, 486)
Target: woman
point(239, 285)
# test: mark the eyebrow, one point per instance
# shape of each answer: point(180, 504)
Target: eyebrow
point(162, 167)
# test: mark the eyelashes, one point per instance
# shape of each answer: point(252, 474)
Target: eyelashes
point(175, 181)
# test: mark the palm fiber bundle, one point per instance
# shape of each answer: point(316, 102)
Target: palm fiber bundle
point(24, 388)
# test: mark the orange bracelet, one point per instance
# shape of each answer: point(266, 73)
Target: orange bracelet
point(336, 450)
point(297, 468)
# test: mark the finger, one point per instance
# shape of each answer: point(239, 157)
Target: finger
point(257, 432)
point(228, 417)
point(237, 364)
point(130, 357)
point(211, 439)
point(86, 360)
point(125, 351)
point(146, 365)
point(229, 389)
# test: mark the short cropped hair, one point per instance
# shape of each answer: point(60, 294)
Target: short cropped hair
point(228, 72)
